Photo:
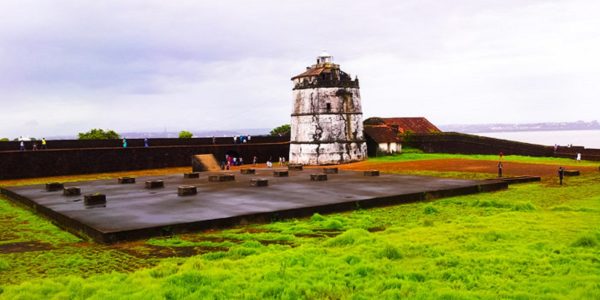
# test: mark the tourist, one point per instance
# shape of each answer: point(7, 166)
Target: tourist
point(248, 138)
point(44, 146)
point(124, 143)
point(235, 139)
point(501, 155)
point(22, 146)
point(561, 174)
point(34, 146)
point(254, 160)
point(269, 164)
point(235, 161)
point(578, 157)
point(214, 140)
point(241, 160)
point(500, 168)
point(555, 148)
point(146, 145)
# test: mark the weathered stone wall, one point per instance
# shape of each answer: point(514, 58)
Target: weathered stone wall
point(27, 164)
point(327, 153)
point(452, 142)
point(117, 143)
point(327, 126)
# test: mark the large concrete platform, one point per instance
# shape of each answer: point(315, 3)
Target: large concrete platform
point(134, 212)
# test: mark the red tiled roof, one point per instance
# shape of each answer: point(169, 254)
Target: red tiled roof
point(415, 125)
point(311, 72)
point(381, 133)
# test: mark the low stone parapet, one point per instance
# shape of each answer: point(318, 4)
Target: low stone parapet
point(54, 186)
point(318, 177)
point(186, 190)
point(155, 184)
point(221, 178)
point(259, 182)
point(71, 191)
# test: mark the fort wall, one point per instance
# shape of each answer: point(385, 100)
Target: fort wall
point(460, 143)
point(81, 144)
point(84, 160)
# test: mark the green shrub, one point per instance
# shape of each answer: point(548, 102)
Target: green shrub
point(430, 210)
point(349, 237)
point(99, 134)
point(523, 207)
point(390, 252)
point(185, 134)
point(282, 130)
point(4, 264)
point(586, 241)
point(334, 224)
point(317, 218)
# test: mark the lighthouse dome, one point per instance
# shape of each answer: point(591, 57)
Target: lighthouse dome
point(324, 57)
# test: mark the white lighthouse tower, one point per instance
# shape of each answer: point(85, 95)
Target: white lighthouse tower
point(327, 116)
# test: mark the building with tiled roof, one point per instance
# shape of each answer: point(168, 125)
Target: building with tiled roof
point(381, 139)
point(383, 134)
point(405, 125)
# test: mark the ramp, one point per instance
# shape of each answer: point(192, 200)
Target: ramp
point(205, 162)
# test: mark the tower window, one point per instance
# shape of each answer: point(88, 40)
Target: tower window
point(328, 107)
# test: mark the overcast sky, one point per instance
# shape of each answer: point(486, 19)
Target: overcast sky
point(69, 66)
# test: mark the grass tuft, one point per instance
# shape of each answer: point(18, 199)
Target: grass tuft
point(586, 241)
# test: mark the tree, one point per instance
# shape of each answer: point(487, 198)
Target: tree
point(99, 134)
point(4, 140)
point(184, 134)
point(282, 130)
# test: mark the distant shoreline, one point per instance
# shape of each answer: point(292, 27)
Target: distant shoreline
point(534, 130)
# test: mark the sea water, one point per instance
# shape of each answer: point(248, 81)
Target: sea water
point(586, 138)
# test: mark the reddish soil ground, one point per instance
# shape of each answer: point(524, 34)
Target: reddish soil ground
point(466, 165)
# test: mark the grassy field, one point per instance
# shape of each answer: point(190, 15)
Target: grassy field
point(416, 154)
point(532, 241)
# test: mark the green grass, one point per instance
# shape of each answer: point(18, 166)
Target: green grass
point(415, 154)
point(532, 241)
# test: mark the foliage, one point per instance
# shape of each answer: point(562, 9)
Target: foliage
point(4, 140)
point(532, 241)
point(185, 134)
point(282, 130)
point(99, 134)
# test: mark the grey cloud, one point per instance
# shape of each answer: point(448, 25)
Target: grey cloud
point(213, 64)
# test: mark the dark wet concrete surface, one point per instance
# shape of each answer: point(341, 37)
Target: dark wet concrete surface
point(133, 207)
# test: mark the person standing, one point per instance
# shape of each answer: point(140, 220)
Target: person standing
point(561, 174)
point(34, 147)
point(124, 143)
point(22, 146)
point(500, 169)
point(44, 144)
point(578, 157)
point(254, 160)
point(146, 145)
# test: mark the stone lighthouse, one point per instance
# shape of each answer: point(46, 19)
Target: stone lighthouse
point(326, 123)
